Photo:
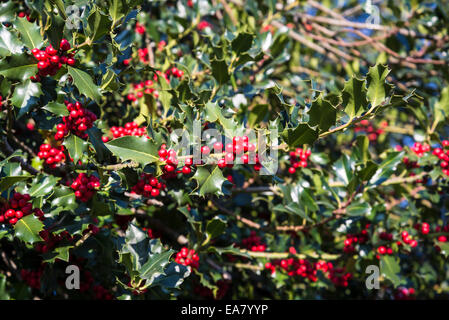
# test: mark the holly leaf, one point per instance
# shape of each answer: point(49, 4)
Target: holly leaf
point(209, 182)
point(390, 269)
point(354, 99)
point(29, 32)
point(26, 95)
point(139, 149)
point(75, 146)
point(18, 67)
point(302, 134)
point(27, 229)
point(9, 42)
point(43, 186)
point(378, 89)
point(84, 83)
point(322, 114)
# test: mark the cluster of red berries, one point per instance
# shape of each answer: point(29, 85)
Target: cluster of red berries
point(52, 156)
point(77, 122)
point(32, 277)
point(223, 287)
point(366, 127)
point(238, 147)
point(147, 186)
point(308, 270)
point(51, 240)
point(139, 89)
point(203, 25)
point(298, 159)
point(23, 14)
point(1, 102)
point(143, 54)
point(51, 60)
point(171, 161)
point(407, 239)
point(85, 186)
point(339, 277)
point(152, 234)
point(18, 207)
point(140, 28)
point(130, 129)
point(174, 72)
point(254, 243)
point(420, 149)
point(352, 239)
point(443, 155)
point(404, 294)
point(382, 250)
point(423, 227)
point(187, 257)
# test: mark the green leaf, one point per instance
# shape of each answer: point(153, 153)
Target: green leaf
point(444, 246)
point(117, 9)
point(9, 42)
point(214, 113)
point(75, 146)
point(98, 24)
point(215, 228)
point(18, 67)
point(442, 106)
point(209, 182)
point(26, 96)
point(390, 268)
point(139, 149)
point(7, 11)
point(84, 83)
point(30, 33)
point(242, 43)
point(220, 71)
point(9, 181)
point(302, 134)
point(354, 99)
point(64, 197)
point(60, 253)
point(228, 250)
point(322, 114)
point(43, 186)
point(378, 89)
point(387, 168)
point(344, 169)
point(358, 209)
point(27, 229)
point(57, 108)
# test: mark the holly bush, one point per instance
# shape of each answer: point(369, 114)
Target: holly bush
point(216, 149)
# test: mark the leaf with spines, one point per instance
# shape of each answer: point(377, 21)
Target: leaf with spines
point(18, 67)
point(29, 32)
point(209, 182)
point(26, 95)
point(378, 88)
point(27, 229)
point(43, 186)
point(322, 114)
point(390, 268)
point(139, 149)
point(302, 134)
point(354, 98)
point(83, 81)
point(9, 42)
point(75, 146)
